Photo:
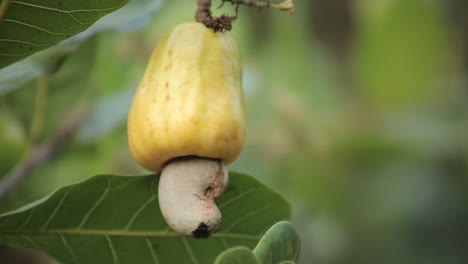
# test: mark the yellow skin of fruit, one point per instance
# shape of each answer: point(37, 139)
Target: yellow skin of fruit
point(190, 100)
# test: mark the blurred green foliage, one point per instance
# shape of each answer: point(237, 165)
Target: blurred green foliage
point(357, 112)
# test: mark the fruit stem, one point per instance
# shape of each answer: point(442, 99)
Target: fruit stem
point(218, 24)
point(203, 14)
point(224, 22)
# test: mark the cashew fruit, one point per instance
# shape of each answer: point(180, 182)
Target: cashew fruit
point(190, 100)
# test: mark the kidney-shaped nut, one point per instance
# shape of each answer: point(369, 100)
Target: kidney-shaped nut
point(187, 192)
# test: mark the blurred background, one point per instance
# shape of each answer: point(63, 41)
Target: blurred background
point(357, 113)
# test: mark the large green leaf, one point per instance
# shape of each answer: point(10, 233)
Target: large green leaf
point(132, 16)
point(280, 243)
point(115, 219)
point(33, 25)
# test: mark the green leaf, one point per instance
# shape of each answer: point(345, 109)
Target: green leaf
point(33, 25)
point(280, 243)
point(132, 16)
point(236, 255)
point(115, 219)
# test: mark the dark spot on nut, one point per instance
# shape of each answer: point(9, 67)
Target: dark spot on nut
point(202, 231)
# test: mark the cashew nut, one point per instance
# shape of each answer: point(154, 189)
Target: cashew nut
point(188, 188)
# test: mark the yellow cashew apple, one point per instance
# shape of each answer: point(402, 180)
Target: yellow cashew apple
point(190, 100)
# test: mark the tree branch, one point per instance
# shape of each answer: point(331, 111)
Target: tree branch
point(39, 155)
point(224, 22)
point(286, 5)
